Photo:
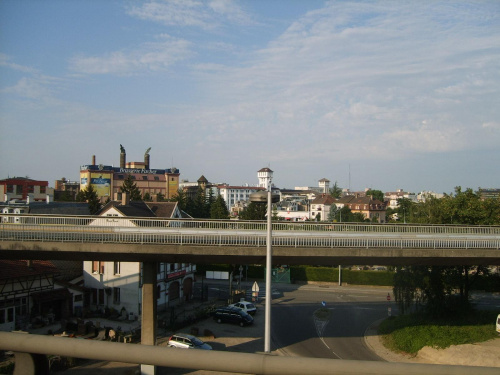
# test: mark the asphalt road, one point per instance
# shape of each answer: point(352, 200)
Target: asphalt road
point(296, 331)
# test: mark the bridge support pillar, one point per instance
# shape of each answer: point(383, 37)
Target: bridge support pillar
point(31, 364)
point(148, 324)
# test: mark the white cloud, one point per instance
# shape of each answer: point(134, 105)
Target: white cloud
point(190, 13)
point(150, 56)
point(6, 61)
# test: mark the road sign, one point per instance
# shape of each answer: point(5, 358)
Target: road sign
point(388, 297)
point(323, 303)
point(255, 287)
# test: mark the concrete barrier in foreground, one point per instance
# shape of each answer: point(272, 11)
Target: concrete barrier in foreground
point(246, 363)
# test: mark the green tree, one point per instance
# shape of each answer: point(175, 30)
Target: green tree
point(89, 195)
point(335, 191)
point(218, 210)
point(376, 194)
point(254, 211)
point(181, 198)
point(130, 187)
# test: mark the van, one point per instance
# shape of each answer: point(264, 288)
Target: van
point(232, 315)
point(498, 323)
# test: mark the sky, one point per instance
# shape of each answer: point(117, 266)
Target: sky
point(369, 94)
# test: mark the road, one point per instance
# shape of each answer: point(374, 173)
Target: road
point(296, 332)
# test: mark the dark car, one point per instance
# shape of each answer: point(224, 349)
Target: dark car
point(232, 315)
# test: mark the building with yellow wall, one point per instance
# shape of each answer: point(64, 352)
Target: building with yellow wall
point(107, 179)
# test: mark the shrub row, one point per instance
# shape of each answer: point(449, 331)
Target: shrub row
point(489, 283)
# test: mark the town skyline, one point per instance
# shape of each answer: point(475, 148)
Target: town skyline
point(381, 95)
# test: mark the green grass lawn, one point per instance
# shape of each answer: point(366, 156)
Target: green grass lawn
point(410, 333)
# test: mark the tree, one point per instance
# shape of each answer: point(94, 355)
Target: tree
point(254, 211)
point(218, 210)
point(89, 195)
point(376, 194)
point(335, 191)
point(181, 198)
point(131, 188)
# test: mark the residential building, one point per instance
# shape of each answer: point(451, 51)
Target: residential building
point(320, 207)
point(29, 295)
point(489, 193)
point(391, 198)
point(236, 196)
point(66, 187)
point(117, 284)
point(22, 187)
point(372, 209)
point(107, 179)
point(423, 195)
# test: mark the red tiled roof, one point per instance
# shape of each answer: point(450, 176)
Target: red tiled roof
point(10, 269)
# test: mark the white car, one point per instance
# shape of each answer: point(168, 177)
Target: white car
point(186, 341)
point(247, 307)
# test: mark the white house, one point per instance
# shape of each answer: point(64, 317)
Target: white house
point(117, 284)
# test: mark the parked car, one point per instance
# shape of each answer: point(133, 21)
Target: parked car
point(232, 315)
point(498, 323)
point(246, 306)
point(186, 341)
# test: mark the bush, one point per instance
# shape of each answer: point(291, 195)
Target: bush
point(410, 333)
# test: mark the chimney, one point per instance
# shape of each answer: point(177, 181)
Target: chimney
point(125, 199)
point(146, 161)
point(123, 157)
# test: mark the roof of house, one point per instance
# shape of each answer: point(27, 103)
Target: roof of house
point(10, 269)
point(52, 208)
point(134, 208)
point(325, 199)
point(163, 209)
point(352, 199)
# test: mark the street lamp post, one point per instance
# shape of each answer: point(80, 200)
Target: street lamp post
point(260, 197)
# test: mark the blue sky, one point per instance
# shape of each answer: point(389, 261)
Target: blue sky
point(382, 95)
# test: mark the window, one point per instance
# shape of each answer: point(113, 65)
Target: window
point(157, 178)
point(145, 177)
point(10, 188)
point(97, 267)
point(2, 316)
point(120, 177)
point(78, 298)
point(19, 189)
point(43, 189)
point(116, 268)
point(116, 295)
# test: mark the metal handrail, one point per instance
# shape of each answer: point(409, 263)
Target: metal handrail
point(111, 221)
point(247, 363)
point(241, 238)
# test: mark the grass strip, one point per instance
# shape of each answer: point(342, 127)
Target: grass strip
point(410, 333)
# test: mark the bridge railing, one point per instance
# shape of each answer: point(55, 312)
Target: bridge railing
point(159, 236)
point(113, 221)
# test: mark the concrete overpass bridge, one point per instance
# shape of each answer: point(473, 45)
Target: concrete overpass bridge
point(206, 241)
point(244, 242)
